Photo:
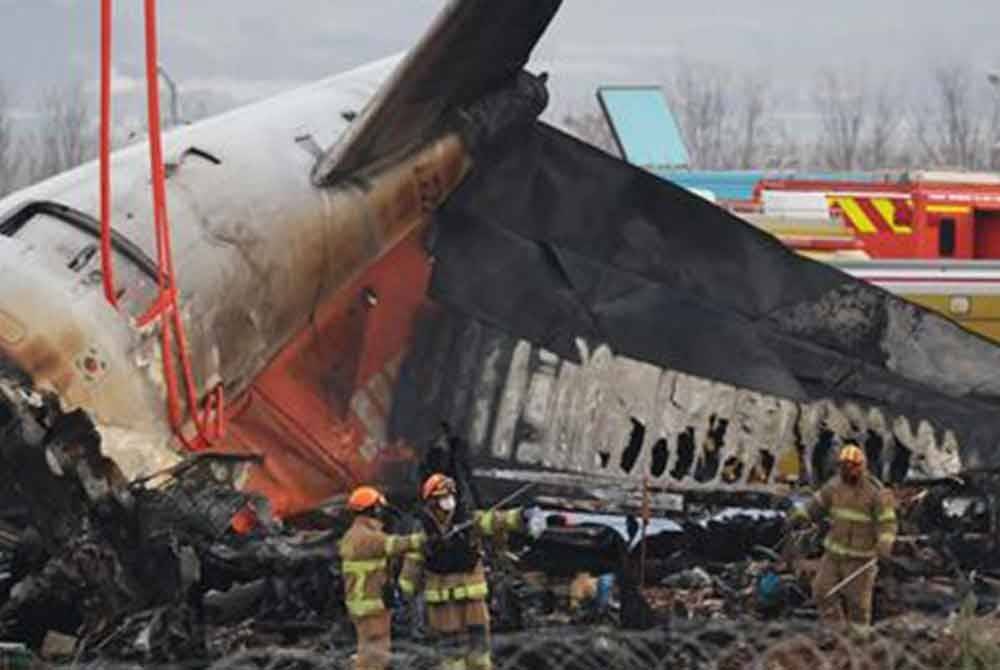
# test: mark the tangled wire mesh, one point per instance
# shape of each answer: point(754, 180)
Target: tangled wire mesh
point(722, 646)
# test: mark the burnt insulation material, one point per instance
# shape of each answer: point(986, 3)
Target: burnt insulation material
point(551, 240)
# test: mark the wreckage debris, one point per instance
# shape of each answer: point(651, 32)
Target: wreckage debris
point(631, 334)
point(151, 572)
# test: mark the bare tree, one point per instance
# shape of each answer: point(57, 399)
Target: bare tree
point(950, 130)
point(994, 132)
point(959, 129)
point(884, 126)
point(65, 136)
point(841, 102)
point(785, 150)
point(726, 116)
point(10, 154)
point(923, 134)
point(593, 129)
point(700, 95)
point(754, 125)
point(729, 118)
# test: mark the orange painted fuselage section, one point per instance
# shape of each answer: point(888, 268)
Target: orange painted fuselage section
point(318, 411)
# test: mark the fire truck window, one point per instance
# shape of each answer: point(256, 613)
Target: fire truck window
point(946, 237)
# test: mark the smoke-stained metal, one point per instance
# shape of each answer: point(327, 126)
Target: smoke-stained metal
point(256, 245)
point(270, 267)
point(597, 321)
point(689, 318)
point(474, 48)
point(599, 421)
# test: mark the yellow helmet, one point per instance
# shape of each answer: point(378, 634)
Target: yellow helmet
point(365, 498)
point(852, 454)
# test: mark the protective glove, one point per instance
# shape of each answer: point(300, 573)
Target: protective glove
point(435, 545)
point(796, 518)
point(534, 521)
point(391, 597)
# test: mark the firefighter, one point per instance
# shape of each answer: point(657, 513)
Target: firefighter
point(364, 552)
point(450, 573)
point(862, 519)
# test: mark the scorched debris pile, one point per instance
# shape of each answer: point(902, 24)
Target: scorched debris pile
point(152, 571)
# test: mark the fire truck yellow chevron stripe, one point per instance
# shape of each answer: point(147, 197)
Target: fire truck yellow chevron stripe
point(887, 209)
point(855, 215)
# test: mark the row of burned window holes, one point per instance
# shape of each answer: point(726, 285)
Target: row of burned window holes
point(706, 466)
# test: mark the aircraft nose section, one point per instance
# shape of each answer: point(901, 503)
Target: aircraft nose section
point(62, 338)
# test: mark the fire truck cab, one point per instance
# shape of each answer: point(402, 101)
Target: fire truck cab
point(958, 219)
point(928, 215)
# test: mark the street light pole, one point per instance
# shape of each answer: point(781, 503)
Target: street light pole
point(175, 114)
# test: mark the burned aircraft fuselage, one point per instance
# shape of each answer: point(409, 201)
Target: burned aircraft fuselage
point(269, 268)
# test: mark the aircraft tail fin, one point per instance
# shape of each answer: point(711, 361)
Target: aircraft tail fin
point(473, 48)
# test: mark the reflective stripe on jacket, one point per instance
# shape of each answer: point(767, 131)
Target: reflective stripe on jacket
point(364, 551)
point(477, 591)
point(862, 517)
point(460, 586)
point(412, 573)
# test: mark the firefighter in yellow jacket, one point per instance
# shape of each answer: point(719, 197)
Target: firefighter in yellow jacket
point(862, 519)
point(364, 552)
point(450, 571)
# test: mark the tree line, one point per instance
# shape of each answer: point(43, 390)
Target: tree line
point(60, 132)
point(733, 118)
point(730, 118)
point(61, 135)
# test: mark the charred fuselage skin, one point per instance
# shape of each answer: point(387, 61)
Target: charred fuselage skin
point(258, 250)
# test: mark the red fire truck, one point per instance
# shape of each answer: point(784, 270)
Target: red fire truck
point(930, 239)
point(936, 215)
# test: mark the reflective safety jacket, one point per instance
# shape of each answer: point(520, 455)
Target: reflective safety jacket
point(862, 518)
point(469, 583)
point(364, 552)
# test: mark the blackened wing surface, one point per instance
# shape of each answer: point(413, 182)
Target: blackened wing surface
point(553, 240)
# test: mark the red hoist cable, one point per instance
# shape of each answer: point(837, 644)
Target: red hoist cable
point(165, 307)
point(107, 267)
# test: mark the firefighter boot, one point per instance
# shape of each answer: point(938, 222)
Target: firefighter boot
point(452, 650)
point(373, 642)
point(478, 653)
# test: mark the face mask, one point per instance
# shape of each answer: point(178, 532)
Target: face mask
point(447, 503)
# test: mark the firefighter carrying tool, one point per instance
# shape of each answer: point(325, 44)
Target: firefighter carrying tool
point(862, 520)
point(451, 570)
point(364, 551)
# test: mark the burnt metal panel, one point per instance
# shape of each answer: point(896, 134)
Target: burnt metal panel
point(474, 47)
point(613, 421)
point(556, 243)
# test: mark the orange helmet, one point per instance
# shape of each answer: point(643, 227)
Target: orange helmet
point(365, 498)
point(852, 454)
point(437, 485)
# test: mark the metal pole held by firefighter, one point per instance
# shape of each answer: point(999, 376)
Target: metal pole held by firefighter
point(851, 577)
point(513, 496)
point(645, 525)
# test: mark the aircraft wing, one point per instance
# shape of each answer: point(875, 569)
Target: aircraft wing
point(550, 240)
point(473, 47)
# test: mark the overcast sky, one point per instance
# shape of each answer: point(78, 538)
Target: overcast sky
point(249, 48)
